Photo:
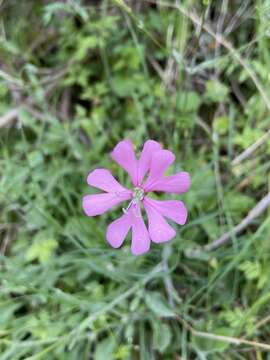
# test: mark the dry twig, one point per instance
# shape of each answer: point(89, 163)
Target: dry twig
point(8, 118)
point(255, 212)
point(246, 153)
point(227, 339)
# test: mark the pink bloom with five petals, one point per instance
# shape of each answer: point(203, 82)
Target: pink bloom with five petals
point(155, 161)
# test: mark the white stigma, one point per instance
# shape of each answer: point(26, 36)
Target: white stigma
point(137, 197)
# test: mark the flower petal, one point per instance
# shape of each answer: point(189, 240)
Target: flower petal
point(172, 209)
point(102, 179)
point(118, 230)
point(124, 155)
point(177, 183)
point(159, 230)
point(160, 161)
point(150, 147)
point(140, 242)
point(98, 204)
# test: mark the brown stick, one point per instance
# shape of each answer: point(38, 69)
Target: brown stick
point(8, 118)
point(228, 339)
point(255, 212)
point(246, 153)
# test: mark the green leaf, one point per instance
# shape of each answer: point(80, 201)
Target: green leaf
point(216, 91)
point(123, 86)
point(158, 305)
point(41, 250)
point(248, 137)
point(238, 203)
point(85, 44)
point(35, 158)
point(188, 101)
point(252, 270)
point(161, 336)
point(105, 349)
point(221, 125)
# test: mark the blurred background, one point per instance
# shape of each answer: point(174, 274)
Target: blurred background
point(76, 77)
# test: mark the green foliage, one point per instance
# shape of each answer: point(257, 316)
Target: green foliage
point(105, 349)
point(238, 204)
point(255, 271)
point(248, 137)
point(162, 336)
point(216, 91)
point(82, 75)
point(221, 125)
point(157, 304)
point(234, 318)
point(41, 250)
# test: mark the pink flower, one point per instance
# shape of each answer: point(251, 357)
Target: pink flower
point(154, 160)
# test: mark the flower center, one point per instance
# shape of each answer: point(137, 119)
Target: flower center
point(137, 195)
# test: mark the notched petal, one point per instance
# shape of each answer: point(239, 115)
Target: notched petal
point(124, 155)
point(118, 230)
point(100, 203)
point(103, 179)
point(159, 230)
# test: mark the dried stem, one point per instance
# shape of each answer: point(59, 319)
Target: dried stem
point(255, 212)
point(8, 118)
point(227, 339)
point(246, 153)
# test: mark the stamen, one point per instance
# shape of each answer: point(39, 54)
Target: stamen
point(138, 193)
point(137, 197)
point(125, 210)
